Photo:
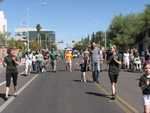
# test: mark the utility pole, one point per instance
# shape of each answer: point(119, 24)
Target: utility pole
point(28, 42)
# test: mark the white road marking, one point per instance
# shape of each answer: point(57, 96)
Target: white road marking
point(2, 83)
point(10, 100)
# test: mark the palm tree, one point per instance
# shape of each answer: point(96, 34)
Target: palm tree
point(38, 29)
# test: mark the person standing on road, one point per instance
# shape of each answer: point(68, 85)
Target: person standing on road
point(34, 62)
point(144, 83)
point(95, 62)
point(28, 63)
point(10, 62)
point(39, 61)
point(84, 65)
point(68, 59)
point(53, 59)
point(126, 59)
point(113, 70)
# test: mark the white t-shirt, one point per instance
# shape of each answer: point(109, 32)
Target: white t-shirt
point(126, 56)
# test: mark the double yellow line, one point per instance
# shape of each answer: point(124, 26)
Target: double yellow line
point(124, 105)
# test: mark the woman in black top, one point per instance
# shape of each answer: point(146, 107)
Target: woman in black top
point(11, 71)
point(113, 70)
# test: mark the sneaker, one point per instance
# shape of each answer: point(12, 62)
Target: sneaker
point(6, 98)
point(84, 80)
point(113, 97)
point(97, 82)
point(15, 94)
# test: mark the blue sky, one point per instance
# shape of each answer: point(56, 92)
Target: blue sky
point(70, 19)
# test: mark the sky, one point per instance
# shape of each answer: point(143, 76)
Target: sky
point(70, 19)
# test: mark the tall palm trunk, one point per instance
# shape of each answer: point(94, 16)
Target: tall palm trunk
point(38, 28)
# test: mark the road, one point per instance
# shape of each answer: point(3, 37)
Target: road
point(60, 92)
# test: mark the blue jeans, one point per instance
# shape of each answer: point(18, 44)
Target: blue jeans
point(95, 71)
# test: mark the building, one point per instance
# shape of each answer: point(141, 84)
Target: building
point(46, 38)
point(3, 22)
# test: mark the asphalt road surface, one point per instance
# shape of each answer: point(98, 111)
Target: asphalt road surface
point(61, 92)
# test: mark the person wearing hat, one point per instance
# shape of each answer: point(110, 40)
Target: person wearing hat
point(10, 62)
point(113, 71)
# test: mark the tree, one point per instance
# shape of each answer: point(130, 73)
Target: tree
point(99, 38)
point(38, 29)
point(35, 45)
point(11, 43)
point(93, 37)
point(147, 26)
point(54, 45)
point(78, 46)
point(3, 39)
point(124, 30)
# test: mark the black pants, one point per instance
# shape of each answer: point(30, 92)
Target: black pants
point(10, 75)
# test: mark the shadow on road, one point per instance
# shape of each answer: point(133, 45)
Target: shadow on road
point(98, 94)
point(2, 95)
point(61, 70)
point(23, 74)
point(88, 81)
point(77, 80)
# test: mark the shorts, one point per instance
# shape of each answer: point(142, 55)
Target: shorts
point(10, 75)
point(113, 78)
point(146, 99)
point(83, 67)
point(68, 62)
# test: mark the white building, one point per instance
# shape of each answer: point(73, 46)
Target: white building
point(3, 22)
